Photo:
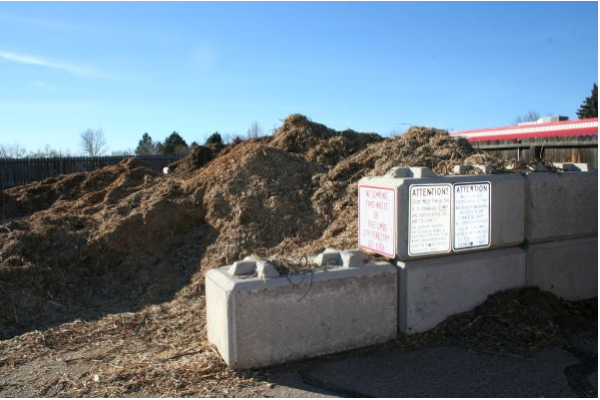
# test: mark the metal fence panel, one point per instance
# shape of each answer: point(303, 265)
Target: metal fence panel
point(21, 171)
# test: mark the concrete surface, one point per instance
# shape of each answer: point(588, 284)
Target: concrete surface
point(256, 322)
point(567, 268)
point(431, 290)
point(561, 206)
point(507, 207)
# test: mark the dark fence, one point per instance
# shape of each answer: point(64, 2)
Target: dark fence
point(578, 149)
point(21, 171)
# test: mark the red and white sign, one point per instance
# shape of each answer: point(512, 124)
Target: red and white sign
point(377, 219)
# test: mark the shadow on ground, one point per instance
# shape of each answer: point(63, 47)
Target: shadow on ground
point(452, 371)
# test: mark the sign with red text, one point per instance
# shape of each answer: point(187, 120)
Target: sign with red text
point(377, 219)
point(429, 218)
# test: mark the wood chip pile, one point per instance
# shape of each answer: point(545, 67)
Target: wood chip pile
point(101, 273)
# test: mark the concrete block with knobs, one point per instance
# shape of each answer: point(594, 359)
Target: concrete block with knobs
point(411, 213)
point(256, 322)
point(456, 240)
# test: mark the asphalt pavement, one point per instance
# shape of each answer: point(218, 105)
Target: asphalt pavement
point(570, 371)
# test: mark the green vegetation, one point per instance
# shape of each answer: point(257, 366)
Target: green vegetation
point(589, 107)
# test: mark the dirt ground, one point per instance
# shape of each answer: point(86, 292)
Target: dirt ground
point(102, 273)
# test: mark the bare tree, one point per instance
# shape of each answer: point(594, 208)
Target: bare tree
point(126, 152)
point(15, 150)
point(254, 131)
point(93, 143)
point(529, 116)
point(46, 151)
point(229, 138)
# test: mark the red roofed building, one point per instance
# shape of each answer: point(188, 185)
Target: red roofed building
point(553, 138)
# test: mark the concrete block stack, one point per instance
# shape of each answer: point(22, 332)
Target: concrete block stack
point(455, 247)
point(455, 240)
point(561, 220)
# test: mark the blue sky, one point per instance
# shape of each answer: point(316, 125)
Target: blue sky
point(197, 68)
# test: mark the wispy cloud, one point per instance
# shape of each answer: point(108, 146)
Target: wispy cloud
point(37, 22)
point(44, 86)
point(72, 68)
point(50, 106)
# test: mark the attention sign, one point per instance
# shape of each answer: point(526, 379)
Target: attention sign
point(377, 219)
point(472, 215)
point(429, 219)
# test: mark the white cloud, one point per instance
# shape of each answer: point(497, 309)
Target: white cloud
point(75, 69)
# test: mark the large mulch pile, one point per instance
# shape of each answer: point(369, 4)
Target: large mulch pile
point(515, 322)
point(101, 274)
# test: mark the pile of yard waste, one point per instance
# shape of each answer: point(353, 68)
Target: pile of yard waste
point(101, 273)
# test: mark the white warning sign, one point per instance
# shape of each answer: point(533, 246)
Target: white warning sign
point(429, 219)
point(377, 219)
point(472, 215)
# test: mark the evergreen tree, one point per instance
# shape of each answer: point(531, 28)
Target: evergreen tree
point(215, 138)
point(589, 107)
point(174, 144)
point(146, 146)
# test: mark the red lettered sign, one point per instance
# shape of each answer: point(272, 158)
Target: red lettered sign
point(377, 219)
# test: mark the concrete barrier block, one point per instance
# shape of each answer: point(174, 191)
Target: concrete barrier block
point(485, 168)
point(568, 166)
point(431, 290)
point(244, 267)
point(353, 259)
point(538, 167)
point(328, 257)
point(567, 268)
point(560, 206)
point(266, 270)
point(256, 323)
point(461, 168)
point(410, 172)
point(396, 220)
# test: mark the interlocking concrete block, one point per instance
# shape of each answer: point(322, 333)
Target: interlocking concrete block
point(505, 225)
point(256, 323)
point(328, 257)
point(485, 168)
point(568, 166)
point(353, 259)
point(410, 172)
point(560, 206)
point(567, 268)
point(265, 270)
point(244, 267)
point(431, 290)
point(538, 167)
point(460, 169)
